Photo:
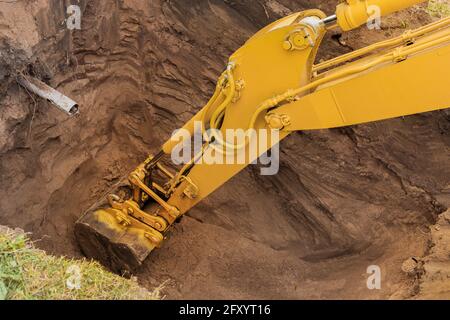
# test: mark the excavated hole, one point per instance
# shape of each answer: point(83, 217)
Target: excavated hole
point(343, 200)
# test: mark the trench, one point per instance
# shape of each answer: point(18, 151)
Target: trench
point(344, 199)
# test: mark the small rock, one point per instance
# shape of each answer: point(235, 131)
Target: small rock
point(409, 266)
point(446, 216)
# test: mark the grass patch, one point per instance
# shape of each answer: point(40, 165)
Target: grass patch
point(27, 273)
point(439, 8)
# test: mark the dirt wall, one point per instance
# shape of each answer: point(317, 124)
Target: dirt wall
point(343, 200)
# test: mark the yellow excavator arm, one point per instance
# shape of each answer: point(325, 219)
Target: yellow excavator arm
point(271, 84)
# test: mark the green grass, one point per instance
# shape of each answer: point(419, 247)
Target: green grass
point(439, 8)
point(30, 274)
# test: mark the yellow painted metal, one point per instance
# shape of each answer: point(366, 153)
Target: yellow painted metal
point(407, 37)
point(130, 209)
point(173, 211)
point(353, 13)
point(143, 235)
point(415, 85)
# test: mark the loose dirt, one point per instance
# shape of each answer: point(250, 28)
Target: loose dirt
point(344, 199)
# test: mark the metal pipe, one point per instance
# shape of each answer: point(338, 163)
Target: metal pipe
point(330, 22)
point(46, 92)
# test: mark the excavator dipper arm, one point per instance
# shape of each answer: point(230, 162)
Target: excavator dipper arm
point(271, 84)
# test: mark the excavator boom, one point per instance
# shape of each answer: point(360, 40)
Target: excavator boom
point(271, 84)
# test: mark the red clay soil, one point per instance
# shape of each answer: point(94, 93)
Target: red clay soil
point(344, 199)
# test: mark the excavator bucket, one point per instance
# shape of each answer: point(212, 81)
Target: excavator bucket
point(123, 228)
point(103, 239)
point(119, 245)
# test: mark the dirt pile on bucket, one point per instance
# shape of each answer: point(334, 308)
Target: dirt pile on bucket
point(344, 199)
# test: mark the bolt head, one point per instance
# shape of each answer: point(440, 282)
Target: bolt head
point(274, 122)
point(299, 40)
